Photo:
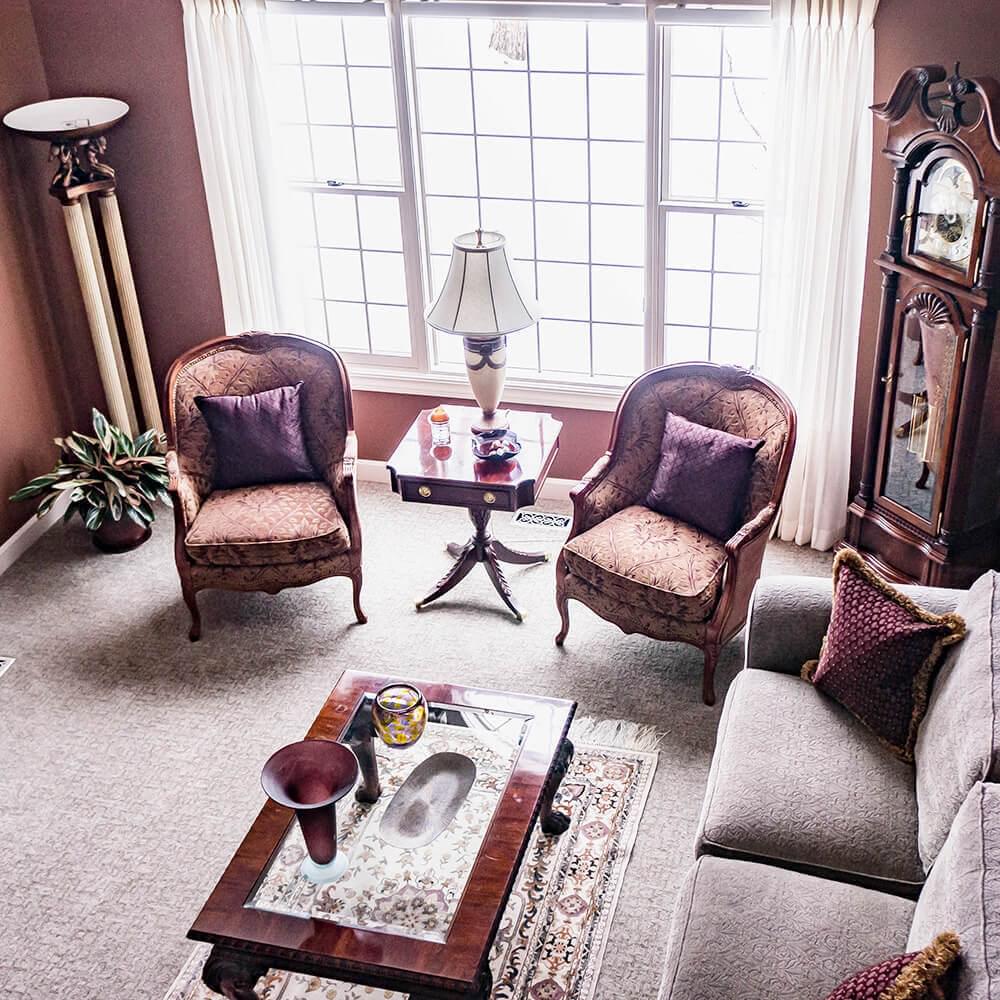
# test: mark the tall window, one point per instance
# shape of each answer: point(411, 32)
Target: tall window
point(334, 94)
point(550, 152)
point(712, 187)
point(402, 129)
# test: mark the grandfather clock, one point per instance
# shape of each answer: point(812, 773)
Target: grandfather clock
point(928, 507)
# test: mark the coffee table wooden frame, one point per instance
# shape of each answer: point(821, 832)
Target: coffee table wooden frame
point(247, 942)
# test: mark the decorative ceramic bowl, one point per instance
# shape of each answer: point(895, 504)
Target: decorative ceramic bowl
point(399, 714)
point(496, 447)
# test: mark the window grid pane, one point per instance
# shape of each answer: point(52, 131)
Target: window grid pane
point(332, 93)
point(543, 169)
point(714, 141)
point(357, 291)
point(712, 285)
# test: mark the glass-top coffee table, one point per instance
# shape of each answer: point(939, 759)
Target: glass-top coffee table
point(412, 913)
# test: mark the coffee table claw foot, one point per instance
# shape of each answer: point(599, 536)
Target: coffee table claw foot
point(233, 974)
point(552, 822)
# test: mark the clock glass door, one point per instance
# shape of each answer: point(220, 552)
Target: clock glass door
point(921, 388)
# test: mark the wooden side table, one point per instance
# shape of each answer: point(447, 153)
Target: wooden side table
point(451, 475)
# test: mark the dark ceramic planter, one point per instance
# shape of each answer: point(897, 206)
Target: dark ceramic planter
point(311, 776)
point(122, 535)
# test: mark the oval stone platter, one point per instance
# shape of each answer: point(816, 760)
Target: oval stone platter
point(428, 800)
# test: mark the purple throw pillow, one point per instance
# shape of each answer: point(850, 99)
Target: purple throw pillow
point(880, 653)
point(917, 975)
point(703, 477)
point(258, 438)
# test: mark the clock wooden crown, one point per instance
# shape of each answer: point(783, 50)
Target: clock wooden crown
point(928, 506)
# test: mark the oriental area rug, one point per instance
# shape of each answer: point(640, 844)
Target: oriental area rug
point(553, 934)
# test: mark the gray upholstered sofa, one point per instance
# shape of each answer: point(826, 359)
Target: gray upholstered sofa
point(818, 853)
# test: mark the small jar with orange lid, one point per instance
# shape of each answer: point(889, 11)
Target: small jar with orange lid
point(440, 426)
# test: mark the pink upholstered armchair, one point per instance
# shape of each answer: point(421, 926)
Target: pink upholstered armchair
point(271, 536)
point(656, 575)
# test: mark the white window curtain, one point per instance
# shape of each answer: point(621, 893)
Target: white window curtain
point(223, 39)
point(816, 243)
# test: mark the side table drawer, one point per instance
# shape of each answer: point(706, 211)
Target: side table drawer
point(457, 496)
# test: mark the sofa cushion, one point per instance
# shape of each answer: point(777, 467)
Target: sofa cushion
point(880, 653)
point(267, 525)
point(743, 930)
point(651, 561)
point(959, 741)
point(962, 894)
point(797, 780)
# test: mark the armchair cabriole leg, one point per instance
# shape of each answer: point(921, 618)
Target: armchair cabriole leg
point(356, 583)
point(562, 601)
point(708, 679)
point(191, 600)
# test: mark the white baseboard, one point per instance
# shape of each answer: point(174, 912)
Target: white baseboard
point(370, 470)
point(28, 534)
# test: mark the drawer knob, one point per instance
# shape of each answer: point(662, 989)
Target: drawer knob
point(489, 498)
point(424, 491)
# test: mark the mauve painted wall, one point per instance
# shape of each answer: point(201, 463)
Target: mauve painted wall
point(908, 33)
point(43, 332)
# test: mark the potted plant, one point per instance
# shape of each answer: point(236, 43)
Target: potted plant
point(112, 481)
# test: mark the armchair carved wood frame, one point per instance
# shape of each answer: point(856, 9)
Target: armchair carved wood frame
point(658, 576)
point(269, 537)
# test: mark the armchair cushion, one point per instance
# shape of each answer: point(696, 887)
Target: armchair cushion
point(703, 476)
point(652, 562)
point(267, 525)
point(258, 437)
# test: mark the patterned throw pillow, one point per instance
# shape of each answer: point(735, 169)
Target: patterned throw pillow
point(919, 975)
point(703, 477)
point(880, 653)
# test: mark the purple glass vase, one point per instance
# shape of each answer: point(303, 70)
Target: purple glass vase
point(311, 776)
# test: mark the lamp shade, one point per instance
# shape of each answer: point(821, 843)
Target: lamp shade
point(480, 298)
point(66, 118)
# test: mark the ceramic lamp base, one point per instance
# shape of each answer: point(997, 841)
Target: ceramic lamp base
point(486, 366)
point(321, 874)
point(499, 420)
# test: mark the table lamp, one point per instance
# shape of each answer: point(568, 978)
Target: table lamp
point(481, 303)
point(75, 128)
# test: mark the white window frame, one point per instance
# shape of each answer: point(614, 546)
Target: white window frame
point(417, 374)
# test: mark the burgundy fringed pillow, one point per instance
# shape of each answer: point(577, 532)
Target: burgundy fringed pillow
point(259, 438)
point(916, 976)
point(880, 653)
point(703, 477)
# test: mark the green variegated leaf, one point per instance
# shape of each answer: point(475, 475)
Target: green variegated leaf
point(93, 518)
point(137, 516)
point(103, 430)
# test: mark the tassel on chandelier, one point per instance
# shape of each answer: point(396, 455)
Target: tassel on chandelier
point(510, 39)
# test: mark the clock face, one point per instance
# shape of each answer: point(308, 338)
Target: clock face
point(946, 214)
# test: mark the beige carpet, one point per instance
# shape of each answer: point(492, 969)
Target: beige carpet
point(129, 758)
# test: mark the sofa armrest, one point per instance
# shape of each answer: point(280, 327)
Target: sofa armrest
point(789, 616)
